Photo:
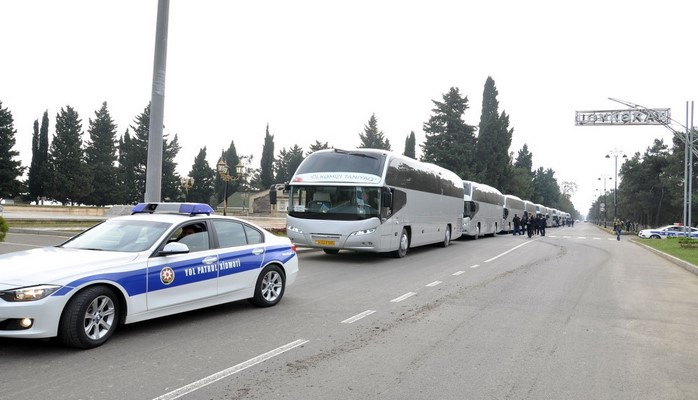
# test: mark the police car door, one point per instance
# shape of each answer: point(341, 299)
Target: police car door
point(184, 278)
point(241, 254)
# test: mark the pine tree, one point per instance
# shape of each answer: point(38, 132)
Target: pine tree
point(100, 153)
point(137, 157)
point(492, 162)
point(317, 146)
point(287, 162)
point(410, 144)
point(450, 142)
point(372, 138)
point(521, 182)
point(266, 173)
point(202, 191)
point(10, 170)
point(71, 182)
point(44, 169)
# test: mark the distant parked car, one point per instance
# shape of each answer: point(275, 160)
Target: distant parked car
point(668, 231)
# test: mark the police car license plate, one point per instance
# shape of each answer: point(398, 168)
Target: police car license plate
point(325, 242)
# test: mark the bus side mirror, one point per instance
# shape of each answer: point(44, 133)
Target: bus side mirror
point(387, 198)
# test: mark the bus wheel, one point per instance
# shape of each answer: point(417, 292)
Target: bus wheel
point(403, 246)
point(331, 251)
point(447, 238)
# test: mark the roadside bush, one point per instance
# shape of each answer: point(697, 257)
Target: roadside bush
point(4, 227)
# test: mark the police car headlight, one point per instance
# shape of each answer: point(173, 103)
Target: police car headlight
point(293, 229)
point(31, 293)
point(363, 232)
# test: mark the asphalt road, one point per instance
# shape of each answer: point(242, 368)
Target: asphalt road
point(573, 315)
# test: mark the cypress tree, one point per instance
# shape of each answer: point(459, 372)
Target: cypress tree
point(410, 144)
point(202, 191)
point(266, 175)
point(492, 162)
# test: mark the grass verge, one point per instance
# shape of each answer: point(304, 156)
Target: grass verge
point(672, 247)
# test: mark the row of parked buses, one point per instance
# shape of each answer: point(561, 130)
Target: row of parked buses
point(378, 201)
point(487, 211)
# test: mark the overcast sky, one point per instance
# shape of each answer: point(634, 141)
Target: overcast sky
point(317, 70)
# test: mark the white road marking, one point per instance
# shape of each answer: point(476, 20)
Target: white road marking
point(358, 316)
point(475, 266)
point(435, 283)
point(508, 251)
point(403, 297)
point(458, 273)
point(175, 394)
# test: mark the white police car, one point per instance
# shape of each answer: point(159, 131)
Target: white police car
point(165, 258)
point(667, 232)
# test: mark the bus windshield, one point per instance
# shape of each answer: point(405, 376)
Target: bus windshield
point(334, 202)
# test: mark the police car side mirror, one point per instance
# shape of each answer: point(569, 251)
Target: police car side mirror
point(174, 248)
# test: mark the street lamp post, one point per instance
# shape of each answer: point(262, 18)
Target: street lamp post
point(187, 183)
point(615, 153)
point(603, 179)
point(223, 170)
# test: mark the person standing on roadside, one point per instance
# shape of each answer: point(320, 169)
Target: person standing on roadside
point(617, 227)
point(517, 225)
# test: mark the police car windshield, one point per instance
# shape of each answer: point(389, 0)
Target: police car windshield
point(119, 235)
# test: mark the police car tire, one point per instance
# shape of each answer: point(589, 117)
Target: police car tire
point(71, 330)
point(655, 237)
point(270, 288)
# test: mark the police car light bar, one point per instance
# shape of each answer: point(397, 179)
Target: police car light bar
point(173, 208)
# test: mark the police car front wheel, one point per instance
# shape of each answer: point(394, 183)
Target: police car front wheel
point(270, 287)
point(89, 318)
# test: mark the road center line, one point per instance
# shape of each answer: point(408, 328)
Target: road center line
point(508, 251)
point(458, 273)
point(175, 394)
point(403, 297)
point(475, 266)
point(435, 283)
point(358, 317)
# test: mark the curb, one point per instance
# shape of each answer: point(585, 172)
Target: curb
point(681, 263)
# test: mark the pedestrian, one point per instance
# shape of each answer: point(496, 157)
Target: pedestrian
point(517, 224)
point(542, 225)
point(531, 226)
point(617, 227)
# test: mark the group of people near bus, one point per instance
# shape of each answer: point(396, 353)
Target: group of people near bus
point(529, 224)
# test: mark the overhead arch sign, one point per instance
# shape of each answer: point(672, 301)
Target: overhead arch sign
point(645, 116)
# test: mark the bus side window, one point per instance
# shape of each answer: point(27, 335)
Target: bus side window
point(399, 200)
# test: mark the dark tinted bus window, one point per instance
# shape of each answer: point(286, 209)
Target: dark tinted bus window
point(366, 163)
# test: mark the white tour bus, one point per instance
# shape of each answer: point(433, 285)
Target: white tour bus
point(372, 200)
point(512, 206)
point(483, 210)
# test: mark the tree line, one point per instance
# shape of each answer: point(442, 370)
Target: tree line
point(651, 191)
point(102, 167)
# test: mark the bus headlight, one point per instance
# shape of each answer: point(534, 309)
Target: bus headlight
point(363, 232)
point(293, 229)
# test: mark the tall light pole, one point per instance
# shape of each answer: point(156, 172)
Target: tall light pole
point(615, 153)
point(604, 178)
point(223, 170)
